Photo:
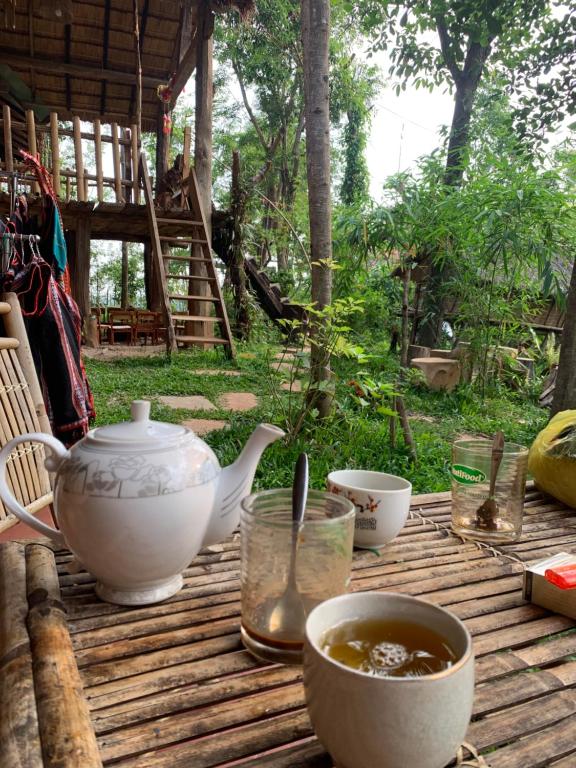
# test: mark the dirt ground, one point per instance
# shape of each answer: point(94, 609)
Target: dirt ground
point(119, 351)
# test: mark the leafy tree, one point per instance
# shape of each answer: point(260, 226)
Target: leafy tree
point(467, 37)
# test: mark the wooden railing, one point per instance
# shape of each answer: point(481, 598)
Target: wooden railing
point(77, 182)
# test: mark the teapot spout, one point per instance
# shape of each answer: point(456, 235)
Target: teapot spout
point(235, 483)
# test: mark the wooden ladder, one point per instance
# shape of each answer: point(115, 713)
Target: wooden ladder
point(196, 241)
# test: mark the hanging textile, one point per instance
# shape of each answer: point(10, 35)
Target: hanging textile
point(50, 228)
point(53, 325)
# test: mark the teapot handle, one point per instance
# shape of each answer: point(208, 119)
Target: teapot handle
point(51, 463)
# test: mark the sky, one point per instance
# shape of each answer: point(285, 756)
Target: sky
point(403, 129)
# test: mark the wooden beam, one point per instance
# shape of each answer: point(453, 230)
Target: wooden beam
point(184, 71)
point(67, 47)
point(105, 43)
point(84, 71)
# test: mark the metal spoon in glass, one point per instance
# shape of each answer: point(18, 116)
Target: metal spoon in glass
point(289, 615)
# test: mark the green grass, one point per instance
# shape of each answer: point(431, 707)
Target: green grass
point(352, 438)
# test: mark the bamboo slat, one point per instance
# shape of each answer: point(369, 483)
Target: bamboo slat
point(134, 158)
point(98, 154)
point(79, 160)
point(31, 135)
point(8, 154)
point(116, 162)
point(66, 731)
point(19, 735)
point(55, 147)
point(170, 685)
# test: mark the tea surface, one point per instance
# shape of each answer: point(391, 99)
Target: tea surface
point(390, 648)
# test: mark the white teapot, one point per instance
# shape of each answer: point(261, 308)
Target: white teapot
point(136, 501)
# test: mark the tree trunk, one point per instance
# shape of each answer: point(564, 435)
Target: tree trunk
point(565, 391)
point(154, 297)
point(124, 299)
point(237, 273)
point(405, 332)
point(203, 159)
point(466, 82)
point(315, 38)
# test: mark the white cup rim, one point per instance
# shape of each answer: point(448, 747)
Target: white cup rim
point(462, 661)
point(333, 478)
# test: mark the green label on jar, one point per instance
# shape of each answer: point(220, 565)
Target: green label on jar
point(467, 475)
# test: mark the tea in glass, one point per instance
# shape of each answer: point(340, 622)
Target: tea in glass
point(323, 564)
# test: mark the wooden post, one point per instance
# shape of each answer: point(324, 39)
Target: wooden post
point(153, 286)
point(135, 155)
point(79, 261)
point(8, 156)
point(203, 156)
point(32, 147)
point(186, 151)
point(98, 154)
point(66, 731)
point(79, 160)
point(125, 165)
point(124, 277)
point(55, 148)
point(116, 159)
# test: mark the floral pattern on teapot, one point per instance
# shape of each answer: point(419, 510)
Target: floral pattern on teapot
point(131, 477)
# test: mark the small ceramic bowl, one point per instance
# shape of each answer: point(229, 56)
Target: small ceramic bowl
point(366, 721)
point(382, 503)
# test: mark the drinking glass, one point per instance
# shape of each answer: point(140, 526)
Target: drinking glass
point(323, 564)
point(471, 465)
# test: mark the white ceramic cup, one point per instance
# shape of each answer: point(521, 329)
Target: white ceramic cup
point(382, 503)
point(365, 721)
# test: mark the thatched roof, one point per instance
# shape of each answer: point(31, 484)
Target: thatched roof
point(77, 57)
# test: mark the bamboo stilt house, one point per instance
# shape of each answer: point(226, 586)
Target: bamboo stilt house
point(119, 65)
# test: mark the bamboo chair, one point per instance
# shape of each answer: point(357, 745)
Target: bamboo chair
point(21, 410)
point(146, 325)
point(121, 322)
point(102, 327)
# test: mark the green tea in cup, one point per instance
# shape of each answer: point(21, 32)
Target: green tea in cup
point(389, 647)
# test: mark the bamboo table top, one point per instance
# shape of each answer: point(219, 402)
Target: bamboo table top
point(84, 683)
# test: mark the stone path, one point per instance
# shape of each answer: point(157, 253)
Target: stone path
point(189, 403)
point(203, 426)
point(238, 401)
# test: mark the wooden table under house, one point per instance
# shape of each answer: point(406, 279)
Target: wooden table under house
point(85, 683)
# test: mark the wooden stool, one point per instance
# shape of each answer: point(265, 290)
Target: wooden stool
point(440, 373)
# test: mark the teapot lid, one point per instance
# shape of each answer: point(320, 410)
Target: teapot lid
point(140, 432)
